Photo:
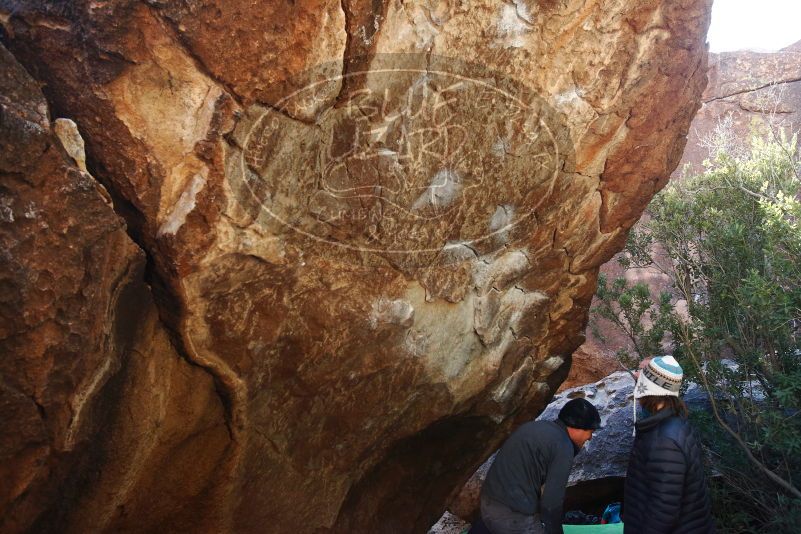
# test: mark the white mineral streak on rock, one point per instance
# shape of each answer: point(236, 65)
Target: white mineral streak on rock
point(568, 98)
point(170, 122)
point(515, 311)
point(501, 147)
point(507, 389)
point(501, 222)
point(398, 312)
point(513, 386)
point(444, 189)
point(502, 272)
point(513, 24)
point(457, 251)
point(361, 31)
point(500, 307)
point(553, 363)
point(6, 210)
point(491, 359)
point(501, 218)
point(186, 203)
point(31, 211)
point(443, 333)
point(465, 342)
point(425, 32)
point(571, 101)
point(415, 343)
point(80, 398)
point(67, 132)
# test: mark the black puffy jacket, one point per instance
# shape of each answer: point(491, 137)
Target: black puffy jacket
point(666, 491)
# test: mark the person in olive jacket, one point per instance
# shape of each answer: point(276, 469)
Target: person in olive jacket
point(666, 490)
point(525, 486)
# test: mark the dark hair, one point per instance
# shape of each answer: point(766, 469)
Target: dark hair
point(581, 414)
point(675, 404)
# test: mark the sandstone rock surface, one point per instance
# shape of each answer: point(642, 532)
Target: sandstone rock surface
point(373, 232)
point(100, 415)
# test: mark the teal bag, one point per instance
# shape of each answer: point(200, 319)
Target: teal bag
point(614, 528)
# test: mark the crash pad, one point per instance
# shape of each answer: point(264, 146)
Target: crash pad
point(613, 528)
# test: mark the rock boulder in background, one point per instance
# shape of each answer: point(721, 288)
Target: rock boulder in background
point(748, 93)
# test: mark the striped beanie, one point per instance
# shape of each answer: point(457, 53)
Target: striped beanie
point(661, 378)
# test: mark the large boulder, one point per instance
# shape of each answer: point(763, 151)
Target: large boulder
point(374, 227)
point(607, 453)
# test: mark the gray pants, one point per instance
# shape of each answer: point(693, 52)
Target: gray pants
point(500, 519)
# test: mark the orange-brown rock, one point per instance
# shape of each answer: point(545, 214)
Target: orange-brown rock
point(597, 357)
point(101, 418)
point(375, 226)
point(588, 364)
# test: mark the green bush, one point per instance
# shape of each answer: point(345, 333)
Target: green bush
point(729, 241)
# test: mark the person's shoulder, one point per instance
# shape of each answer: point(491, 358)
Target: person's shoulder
point(533, 427)
point(549, 426)
point(540, 429)
point(675, 427)
point(538, 424)
point(555, 433)
point(547, 423)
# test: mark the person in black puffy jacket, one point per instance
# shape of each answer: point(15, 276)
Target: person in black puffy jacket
point(666, 490)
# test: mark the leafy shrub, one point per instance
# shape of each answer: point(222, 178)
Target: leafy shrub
point(729, 241)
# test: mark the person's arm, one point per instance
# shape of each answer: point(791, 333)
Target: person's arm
point(665, 471)
point(553, 492)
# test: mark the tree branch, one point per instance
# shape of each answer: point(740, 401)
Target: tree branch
point(744, 446)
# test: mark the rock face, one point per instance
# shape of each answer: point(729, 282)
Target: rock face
point(372, 229)
point(607, 453)
point(748, 92)
point(99, 413)
point(591, 362)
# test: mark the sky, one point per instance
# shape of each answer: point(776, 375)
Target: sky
point(761, 25)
